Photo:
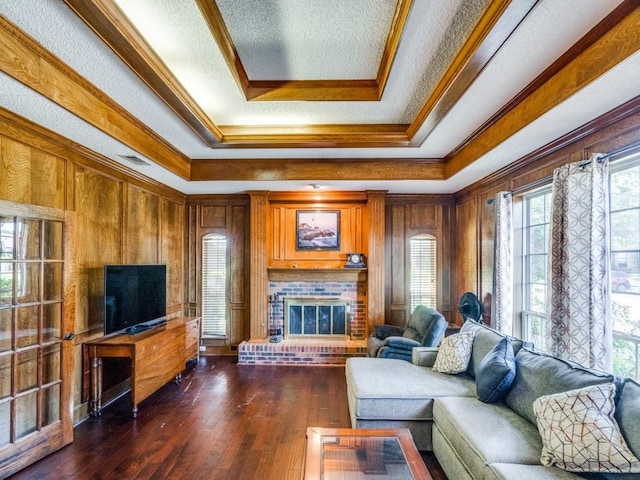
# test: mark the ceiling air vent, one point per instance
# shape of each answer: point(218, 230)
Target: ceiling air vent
point(133, 159)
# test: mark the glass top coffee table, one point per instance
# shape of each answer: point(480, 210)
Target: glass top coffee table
point(347, 453)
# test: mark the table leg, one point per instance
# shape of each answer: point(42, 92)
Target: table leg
point(95, 405)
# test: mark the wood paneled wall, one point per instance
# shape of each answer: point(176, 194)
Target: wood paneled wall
point(227, 215)
point(120, 217)
point(614, 131)
point(406, 216)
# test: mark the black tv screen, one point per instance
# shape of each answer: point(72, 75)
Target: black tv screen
point(133, 295)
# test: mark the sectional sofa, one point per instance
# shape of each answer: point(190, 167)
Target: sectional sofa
point(525, 395)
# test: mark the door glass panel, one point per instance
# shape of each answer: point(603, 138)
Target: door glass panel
point(51, 322)
point(27, 282)
point(7, 227)
point(6, 283)
point(53, 240)
point(27, 326)
point(28, 239)
point(26, 418)
point(52, 281)
point(5, 376)
point(27, 369)
point(5, 329)
point(51, 364)
point(5, 417)
point(50, 405)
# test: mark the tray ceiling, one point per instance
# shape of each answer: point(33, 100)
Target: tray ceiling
point(409, 96)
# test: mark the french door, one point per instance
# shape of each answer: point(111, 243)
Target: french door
point(36, 325)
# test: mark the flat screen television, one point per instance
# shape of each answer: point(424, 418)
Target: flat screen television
point(134, 297)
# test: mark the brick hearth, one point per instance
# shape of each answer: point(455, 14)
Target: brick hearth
point(300, 352)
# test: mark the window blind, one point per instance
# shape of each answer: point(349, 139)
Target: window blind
point(214, 285)
point(422, 271)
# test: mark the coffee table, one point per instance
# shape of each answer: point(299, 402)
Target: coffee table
point(349, 453)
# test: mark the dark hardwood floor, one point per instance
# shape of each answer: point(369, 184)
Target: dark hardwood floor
point(225, 421)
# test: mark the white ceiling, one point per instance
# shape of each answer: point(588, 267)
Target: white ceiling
point(311, 40)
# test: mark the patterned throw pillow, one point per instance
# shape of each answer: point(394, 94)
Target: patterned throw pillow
point(580, 434)
point(454, 353)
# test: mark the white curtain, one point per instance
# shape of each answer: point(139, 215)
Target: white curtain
point(579, 326)
point(502, 305)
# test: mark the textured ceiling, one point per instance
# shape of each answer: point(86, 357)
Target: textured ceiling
point(352, 79)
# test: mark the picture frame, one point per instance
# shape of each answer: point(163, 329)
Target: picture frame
point(317, 230)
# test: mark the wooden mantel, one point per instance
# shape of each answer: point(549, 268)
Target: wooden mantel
point(317, 274)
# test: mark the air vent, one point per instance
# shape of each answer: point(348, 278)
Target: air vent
point(135, 160)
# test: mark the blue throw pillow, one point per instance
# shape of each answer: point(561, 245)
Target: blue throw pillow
point(496, 372)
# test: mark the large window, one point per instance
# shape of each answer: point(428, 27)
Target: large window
point(536, 217)
point(422, 271)
point(214, 285)
point(624, 202)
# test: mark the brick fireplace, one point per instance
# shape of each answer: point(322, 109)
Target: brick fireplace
point(314, 290)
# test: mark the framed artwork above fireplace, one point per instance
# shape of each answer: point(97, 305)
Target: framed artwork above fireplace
point(317, 230)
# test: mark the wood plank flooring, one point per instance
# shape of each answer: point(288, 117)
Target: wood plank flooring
point(225, 421)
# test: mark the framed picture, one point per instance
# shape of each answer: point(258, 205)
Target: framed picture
point(317, 230)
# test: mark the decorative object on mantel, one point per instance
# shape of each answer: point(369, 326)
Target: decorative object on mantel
point(317, 230)
point(355, 260)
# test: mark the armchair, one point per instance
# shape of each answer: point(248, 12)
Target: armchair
point(425, 328)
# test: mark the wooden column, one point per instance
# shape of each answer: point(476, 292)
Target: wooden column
point(375, 259)
point(259, 284)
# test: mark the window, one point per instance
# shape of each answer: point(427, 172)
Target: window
point(536, 218)
point(214, 285)
point(625, 265)
point(624, 204)
point(422, 271)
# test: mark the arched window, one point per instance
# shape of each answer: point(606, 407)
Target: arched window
point(214, 285)
point(422, 270)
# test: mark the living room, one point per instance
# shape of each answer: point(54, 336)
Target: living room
point(63, 122)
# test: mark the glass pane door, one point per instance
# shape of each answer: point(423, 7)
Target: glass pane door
point(32, 397)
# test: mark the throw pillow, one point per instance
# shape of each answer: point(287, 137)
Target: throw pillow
point(496, 372)
point(454, 353)
point(580, 434)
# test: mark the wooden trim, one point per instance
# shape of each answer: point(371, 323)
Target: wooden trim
point(23, 59)
point(317, 169)
point(317, 274)
point(113, 27)
point(612, 48)
point(499, 20)
point(25, 131)
point(259, 283)
point(589, 39)
point(376, 258)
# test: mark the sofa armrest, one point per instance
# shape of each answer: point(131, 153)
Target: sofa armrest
point(384, 331)
point(424, 356)
point(401, 343)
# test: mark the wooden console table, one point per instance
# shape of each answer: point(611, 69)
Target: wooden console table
point(157, 356)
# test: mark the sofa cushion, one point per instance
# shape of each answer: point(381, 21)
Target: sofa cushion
point(390, 389)
point(496, 372)
point(538, 374)
point(484, 433)
point(628, 413)
point(485, 338)
point(579, 432)
point(454, 354)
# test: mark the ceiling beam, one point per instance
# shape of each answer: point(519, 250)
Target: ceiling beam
point(311, 169)
point(25, 60)
point(614, 46)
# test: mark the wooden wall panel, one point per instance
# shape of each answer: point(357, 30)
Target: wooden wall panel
point(239, 280)
point(30, 176)
point(99, 242)
point(213, 216)
point(142, 228)
point(172, 237)
point(397, 279)
point(466, 251)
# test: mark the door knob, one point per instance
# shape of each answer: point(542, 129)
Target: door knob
point(68, 336)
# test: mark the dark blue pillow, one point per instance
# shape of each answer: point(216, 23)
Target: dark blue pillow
point(496, 372)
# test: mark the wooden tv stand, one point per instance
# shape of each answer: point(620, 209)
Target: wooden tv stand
point(157, 356)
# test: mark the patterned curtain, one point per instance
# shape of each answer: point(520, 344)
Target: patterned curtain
point(502, 307)
point(579, 326)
